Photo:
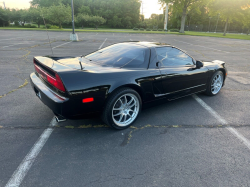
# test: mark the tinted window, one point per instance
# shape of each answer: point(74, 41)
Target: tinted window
point(173, 57)
point(120, 55)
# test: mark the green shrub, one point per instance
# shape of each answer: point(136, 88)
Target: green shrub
point(135, 28)
point(159, 29)
point(148, 29)
point(174, 30)
point(142, 29)
point(48, 26)
point(27, 25)
point(154, 30)
point(54, 27)
point(33, 26)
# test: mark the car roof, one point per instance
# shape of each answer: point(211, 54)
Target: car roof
point(148, 44)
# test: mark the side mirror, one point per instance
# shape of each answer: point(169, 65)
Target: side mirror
point(199, 64)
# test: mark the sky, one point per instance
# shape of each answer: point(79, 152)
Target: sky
point(149, 6)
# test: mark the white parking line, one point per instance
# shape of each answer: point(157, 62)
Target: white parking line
point(102, 43)
point(223, 121)
point(61, 45)
point(202, 46)
point(27, 162)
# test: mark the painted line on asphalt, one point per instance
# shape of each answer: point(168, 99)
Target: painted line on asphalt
point(102, 43)
point(27, 162)
point(61, 45)
point(202, 46)
point(223, 121)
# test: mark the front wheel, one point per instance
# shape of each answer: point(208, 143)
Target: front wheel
point(215, 84)
point(122, 109)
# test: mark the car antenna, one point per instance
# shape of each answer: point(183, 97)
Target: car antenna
point(48, 36)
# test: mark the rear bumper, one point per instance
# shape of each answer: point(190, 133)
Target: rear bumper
point(62, 106)
point(58, 104)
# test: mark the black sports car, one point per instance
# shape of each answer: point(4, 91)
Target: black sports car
point(117, 81)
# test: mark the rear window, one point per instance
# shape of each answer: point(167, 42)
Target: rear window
point(120, 55)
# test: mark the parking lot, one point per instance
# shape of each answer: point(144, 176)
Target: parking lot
point(194, 141)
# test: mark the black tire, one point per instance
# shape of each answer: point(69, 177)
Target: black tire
point(107, 115)
point(209, 86)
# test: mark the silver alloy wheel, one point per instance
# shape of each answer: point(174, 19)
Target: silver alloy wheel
point(217, 83)
point(125, 110)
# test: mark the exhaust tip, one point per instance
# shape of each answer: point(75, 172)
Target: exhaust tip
point(60, 119)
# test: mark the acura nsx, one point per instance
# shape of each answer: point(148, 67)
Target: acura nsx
point(117, 81)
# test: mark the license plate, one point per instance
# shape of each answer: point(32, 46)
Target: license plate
point(39, 95)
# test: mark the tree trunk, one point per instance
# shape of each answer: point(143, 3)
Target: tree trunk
point(225, 30)
point(183, 19)
point(38, 25)
point(60, 25)
point(248, 32)
point(82, 26)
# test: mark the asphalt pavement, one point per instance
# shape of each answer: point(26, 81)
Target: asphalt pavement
point(194, 141)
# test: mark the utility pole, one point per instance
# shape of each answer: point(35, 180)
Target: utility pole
point(209, 24)
point(73, 35)
point(217, 23)
point(166, 19)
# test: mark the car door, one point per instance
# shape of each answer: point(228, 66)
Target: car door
point(180, 76)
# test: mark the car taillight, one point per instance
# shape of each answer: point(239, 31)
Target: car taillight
point(55, 81)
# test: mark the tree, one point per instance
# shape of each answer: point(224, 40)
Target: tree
point(83, 19)
point(85, 10)
point(4, 16)
point(58, 14)
point(183, 6)
point(116, 22)
point(97, 20)
point(228, 10)
point(45, 3)
point(24, 16)
point(35, 14)
point(246, 17)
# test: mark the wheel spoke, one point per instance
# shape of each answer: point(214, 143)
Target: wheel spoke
point(130, 106)
point(130, 101)
point(125, 100)
point(121, 118)
point(119, 113)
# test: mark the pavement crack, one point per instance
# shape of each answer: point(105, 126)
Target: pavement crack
point(21, 86)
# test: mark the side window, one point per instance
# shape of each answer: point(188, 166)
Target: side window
point(169, 56)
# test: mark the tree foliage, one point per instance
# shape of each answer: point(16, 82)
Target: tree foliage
point(57, 14)
point(83, 19)
point(117, 13)
point(183, 7)
point(97, 20)
point(36, 15)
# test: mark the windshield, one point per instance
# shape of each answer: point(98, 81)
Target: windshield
point(122, 55)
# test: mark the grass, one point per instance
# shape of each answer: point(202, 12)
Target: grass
point(192, 33)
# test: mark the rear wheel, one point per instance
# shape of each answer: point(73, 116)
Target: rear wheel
point(215, 84)
point(122, 109)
